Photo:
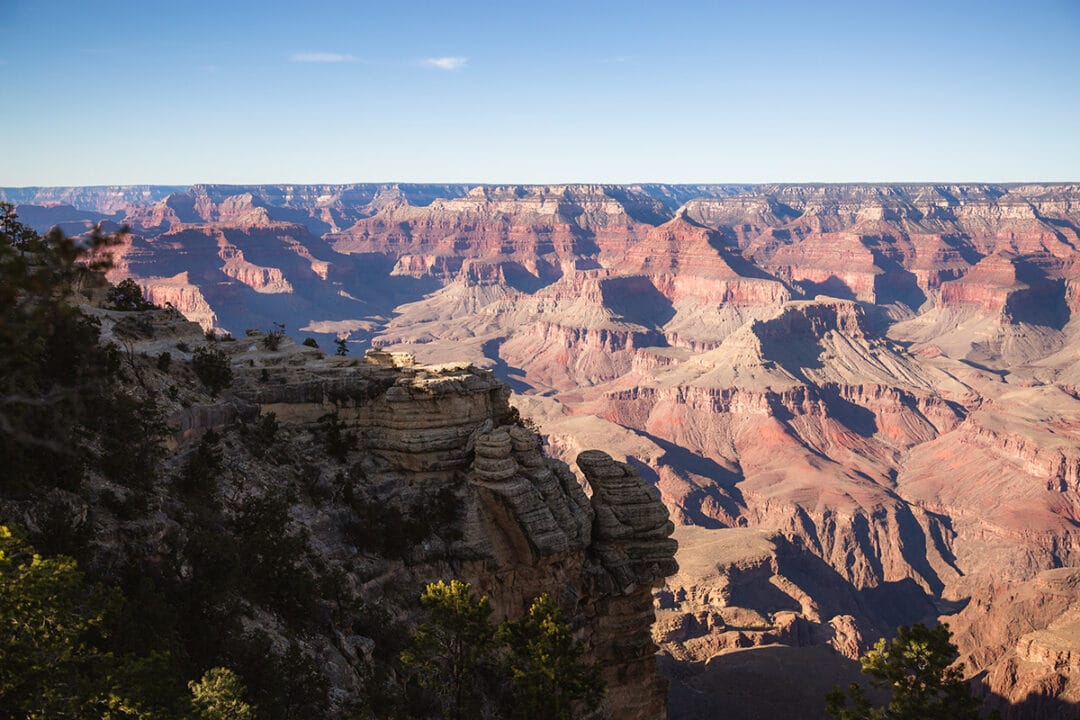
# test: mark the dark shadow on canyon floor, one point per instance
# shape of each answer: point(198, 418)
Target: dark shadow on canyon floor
point(1034, 706)
point(768, 683)
point(503, 370)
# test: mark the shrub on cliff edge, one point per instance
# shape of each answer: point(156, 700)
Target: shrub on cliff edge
point(213, 369)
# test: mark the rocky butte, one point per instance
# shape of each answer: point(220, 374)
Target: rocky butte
point(860, 403)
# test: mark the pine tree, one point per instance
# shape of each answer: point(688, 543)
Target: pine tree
point(917, 667)
point(453, 651)
point(219, 695)
point(548, 677)
point(128, 296)
point(56, 658)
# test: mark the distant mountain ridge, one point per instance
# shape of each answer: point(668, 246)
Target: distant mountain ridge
point(107, 198)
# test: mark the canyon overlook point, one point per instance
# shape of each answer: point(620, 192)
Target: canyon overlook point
point(859, 403)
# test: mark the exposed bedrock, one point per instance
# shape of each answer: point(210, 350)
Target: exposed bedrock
point(527, 527)
point(884, 377)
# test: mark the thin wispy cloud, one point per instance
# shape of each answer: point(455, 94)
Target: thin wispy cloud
point(321, 57)
point(450, 64)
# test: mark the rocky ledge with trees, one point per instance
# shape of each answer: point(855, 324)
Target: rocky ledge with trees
point(220, 527)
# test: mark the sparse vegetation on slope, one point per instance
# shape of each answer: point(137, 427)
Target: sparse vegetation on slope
point(210, 542)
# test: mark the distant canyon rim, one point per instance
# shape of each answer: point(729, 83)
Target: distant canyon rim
point(860, 402)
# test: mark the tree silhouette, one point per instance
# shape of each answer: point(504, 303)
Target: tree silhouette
point(213, 369)
point(127, 295)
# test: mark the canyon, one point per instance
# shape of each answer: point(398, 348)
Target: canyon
point(859, 403)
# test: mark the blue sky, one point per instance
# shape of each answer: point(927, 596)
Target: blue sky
point(143, 91)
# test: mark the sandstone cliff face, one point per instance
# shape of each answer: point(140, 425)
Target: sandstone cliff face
point(441, 441)
point(1034, 673)
point(883, 377)
point(527, 526)
point(179, 292)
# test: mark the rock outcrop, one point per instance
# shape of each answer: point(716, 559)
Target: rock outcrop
point(527, 526)
point(882, 376)
point(440, 449)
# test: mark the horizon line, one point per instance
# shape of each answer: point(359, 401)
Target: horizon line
point(578, 183)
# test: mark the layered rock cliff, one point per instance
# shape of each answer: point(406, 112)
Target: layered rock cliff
point(879, 378)
point(511, 521)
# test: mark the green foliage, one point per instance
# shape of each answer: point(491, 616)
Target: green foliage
point(16, 235)
point(336, 439)
point(530, 669)
point(283, 685)
point(917, 668)
point(342, 346)
point(311, 343)
point(382, 529)
point(55, 646)
point(272, 559)
point(214, 336)
point(213, 369)
point(129, 449)
point(265, 432)
point(128, 296)
point(453, 653)
point(164, 360)
point(79, 442)
point(46, 619)
point(60, 400)
point(390, 530)
point(142, 687)
point(251, 560)
point(548, 677)
point(219, 695)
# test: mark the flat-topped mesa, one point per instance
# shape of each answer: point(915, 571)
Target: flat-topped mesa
point(183, 295)
point(585, 204)
point(1010, 288)
point(812, 319)
point(418, 418)
point(744, 210)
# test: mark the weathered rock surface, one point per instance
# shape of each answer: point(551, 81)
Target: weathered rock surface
point(882, 376)
point(438, 440)
point(1038, 626)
